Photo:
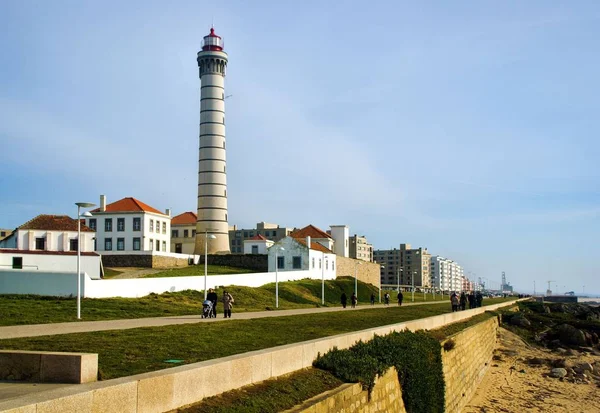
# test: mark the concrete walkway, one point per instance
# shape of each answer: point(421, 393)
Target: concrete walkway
point(36, 330)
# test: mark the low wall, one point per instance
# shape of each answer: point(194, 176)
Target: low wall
point(39, 282)
point(465, 365)
point(48, 367)
point(146, 259)
point(169, 389)
point(367, 272)
point(139, 287)
point(385, 397)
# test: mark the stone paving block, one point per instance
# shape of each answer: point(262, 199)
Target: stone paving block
point(286, 360)
point(68, 368)
point(262, 365)
point(75, 403)
point(20, 365)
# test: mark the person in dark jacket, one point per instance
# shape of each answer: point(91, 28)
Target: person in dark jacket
point(212, 297)
point(344, 299)
point(463, 301)
point(372, 299)
point(471, 299)
point(353, 300)
point(400, 297)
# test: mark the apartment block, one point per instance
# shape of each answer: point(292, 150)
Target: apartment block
point(410, 265)
point(360, 249)
point(271, 232)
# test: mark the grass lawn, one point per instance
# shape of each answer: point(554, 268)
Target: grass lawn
point(194, 270)
point(110, 273)
point(32, 309)
point(127, 352)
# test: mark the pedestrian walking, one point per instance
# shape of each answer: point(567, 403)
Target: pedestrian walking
point(353, 300)
point(454, 301)
point(372, 299)
point(227, 304)
point(212, 297)
point(463, 301)
point(386, 297)
point(344, 299)
point(471, 299)
point(478, 299)
point(400, 298)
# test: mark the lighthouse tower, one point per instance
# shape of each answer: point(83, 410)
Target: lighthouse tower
point(212, 226)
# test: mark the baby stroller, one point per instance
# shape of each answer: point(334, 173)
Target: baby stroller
point(207, 307)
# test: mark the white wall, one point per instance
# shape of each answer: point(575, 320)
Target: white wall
point(34, 263)
point(341, 235)
point(294, 249)
point(139, 287)
point(39, 282)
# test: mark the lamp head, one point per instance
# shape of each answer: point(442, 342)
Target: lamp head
point(85, 204)
point(86, 214)
point(211, 236)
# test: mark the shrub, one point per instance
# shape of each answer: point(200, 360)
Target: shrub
point(416, 357)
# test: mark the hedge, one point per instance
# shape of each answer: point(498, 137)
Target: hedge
point(416, 356)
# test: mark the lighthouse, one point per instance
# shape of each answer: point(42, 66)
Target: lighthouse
point(212, 226)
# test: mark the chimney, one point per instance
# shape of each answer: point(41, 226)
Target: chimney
point(102, 203)
point(308, 241)
point(168, 211)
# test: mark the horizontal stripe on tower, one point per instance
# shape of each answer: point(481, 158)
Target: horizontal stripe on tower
point(213, 172)
point(213, 123)
point(212, 196)
point(211, 183)
point(212, 159)
point(221, 87)
point(221, 208)
point(201, 233)
point(212, 110)
point(212, 220)
point(221, 99)
point(211, 134)
point(211, 147)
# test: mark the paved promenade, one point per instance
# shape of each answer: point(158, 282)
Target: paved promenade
point(36, 330)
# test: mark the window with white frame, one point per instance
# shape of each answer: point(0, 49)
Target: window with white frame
point(151, 226)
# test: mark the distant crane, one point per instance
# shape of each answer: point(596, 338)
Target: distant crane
point(549, 291)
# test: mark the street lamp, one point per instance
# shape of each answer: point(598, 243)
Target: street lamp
point(413, 286)
point(356, 264)
point(398, 276)
point(79, 216)
point(380, 266)
point(207, 236)
point(278, 248)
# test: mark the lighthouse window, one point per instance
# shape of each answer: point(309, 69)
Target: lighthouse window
point(223, 148)
point(225, 192)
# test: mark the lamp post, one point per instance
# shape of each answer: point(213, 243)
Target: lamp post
point(380, 266)
point(413, 286)
point(207, 236)
point(356, 264)
point(277, 249)
point(79, 216)
point(398, 277)
point(323, 281)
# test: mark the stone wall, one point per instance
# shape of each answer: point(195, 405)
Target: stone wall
point(143, 261)
point(466, 363)
point(256, 262)
point(385, 397)
point(367, 272)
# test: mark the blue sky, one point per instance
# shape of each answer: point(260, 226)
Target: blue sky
point(469, 128)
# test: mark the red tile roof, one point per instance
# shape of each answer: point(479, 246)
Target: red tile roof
point(311, 231)
point(315, 246)
point(258, 238)
point(129, 205)
point(187, 218)
point(54, 223)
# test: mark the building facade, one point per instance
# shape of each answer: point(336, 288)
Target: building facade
point(302, 254)
point(272, 232)
point(447, 275)
point(5, 233)
point(409, 265)
point(130, 225)
point(360, 249)
point(212, 167)
point(48, 244)
point(183, 233)
point(257, 245)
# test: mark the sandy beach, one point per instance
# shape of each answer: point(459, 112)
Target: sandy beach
point(518, 380)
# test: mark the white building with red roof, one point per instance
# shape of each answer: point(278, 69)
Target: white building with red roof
point(300, 251)
point(130, 225)
point(46, 246)
point(257, 245)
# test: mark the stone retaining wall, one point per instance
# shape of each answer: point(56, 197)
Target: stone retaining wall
point(385, 397)
point(466, 364)
point(367, 272)
point(256, 262)
point(169, 389)
point(48, 366)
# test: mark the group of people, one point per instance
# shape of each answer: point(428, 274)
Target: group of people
point(227, 302)
point(354, 299)
point(459, 301)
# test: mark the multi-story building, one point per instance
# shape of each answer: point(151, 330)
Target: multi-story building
point(410, 265)
point(183, 233)
point(360, 249)
point(447, 275)
point(271, 232)
point(5, 233)
point(130, 225)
